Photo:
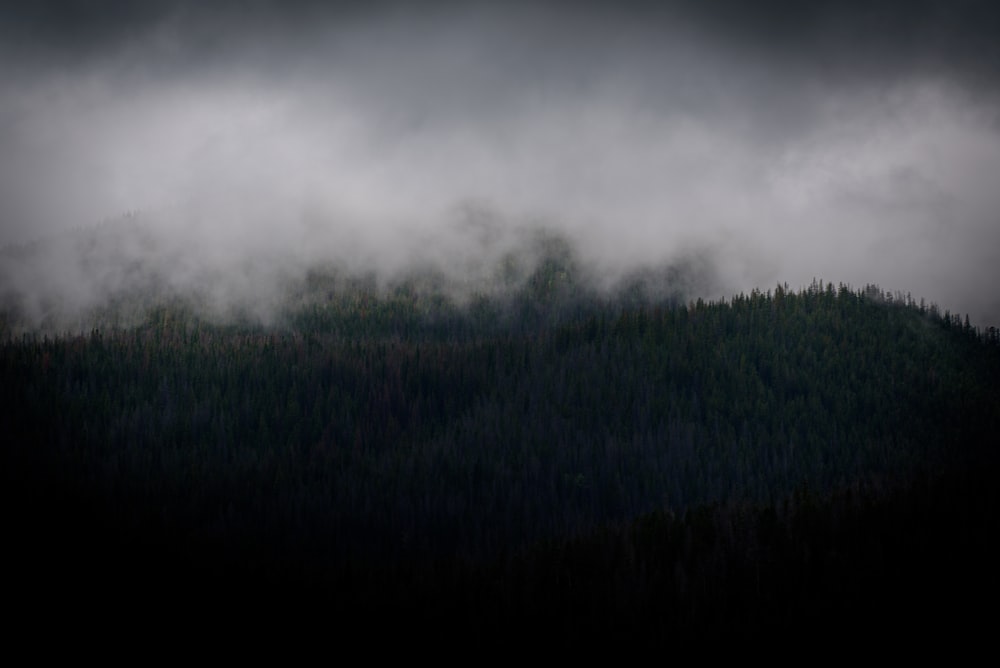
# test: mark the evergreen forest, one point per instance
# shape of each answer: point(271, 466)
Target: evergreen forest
point(542, 462)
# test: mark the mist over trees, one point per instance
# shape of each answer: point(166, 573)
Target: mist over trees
point(113, 274)
point(542, 451)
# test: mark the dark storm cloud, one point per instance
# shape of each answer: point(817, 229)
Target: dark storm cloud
point(962, 30)
point(846, 140)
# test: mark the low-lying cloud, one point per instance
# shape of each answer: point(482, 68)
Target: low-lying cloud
point(256, 145)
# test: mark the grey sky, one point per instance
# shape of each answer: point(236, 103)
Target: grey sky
point(854, 142)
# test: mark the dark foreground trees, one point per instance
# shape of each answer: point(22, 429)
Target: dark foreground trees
point(568, 467)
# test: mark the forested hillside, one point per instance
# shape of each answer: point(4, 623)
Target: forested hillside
point(566, 462)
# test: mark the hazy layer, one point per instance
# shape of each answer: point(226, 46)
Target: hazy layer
point(255, 143)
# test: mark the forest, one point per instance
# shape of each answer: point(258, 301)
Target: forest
point(544, 462)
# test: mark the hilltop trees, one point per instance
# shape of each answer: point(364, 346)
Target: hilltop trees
point(394, 441)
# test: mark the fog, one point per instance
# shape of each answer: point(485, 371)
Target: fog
point(234, 146)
